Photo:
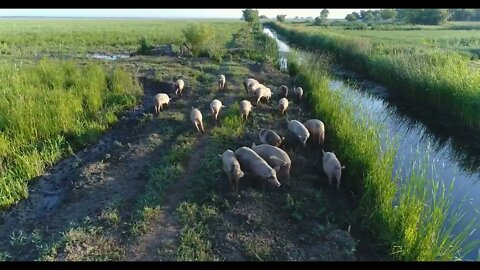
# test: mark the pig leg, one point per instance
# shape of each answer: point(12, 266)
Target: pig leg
point(232, 184)
point(236, 184)
point(337, 175)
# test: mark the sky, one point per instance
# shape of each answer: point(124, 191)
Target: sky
point(171, 13)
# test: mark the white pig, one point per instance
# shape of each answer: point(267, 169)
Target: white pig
point(196, 118)
point(179, 84)
point(316, 129)
point(283, 91)
point(221, 82)
point(251, 162)
point(299, 130)
point(298, 93)
point(232, 169)
point(216, 106)
point(283, 105)
point(159, 100)
point(332, 167)
point(275, 156)
point(245, 108)
point(247, 84)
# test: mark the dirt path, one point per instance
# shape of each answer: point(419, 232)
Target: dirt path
point(160, 242)
point(110, 172)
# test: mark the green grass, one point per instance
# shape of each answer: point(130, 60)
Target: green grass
point(194, 243)
point(410, 218)
point(25, 37)
point(83, 241)
point(51, 108)
point(440, 79)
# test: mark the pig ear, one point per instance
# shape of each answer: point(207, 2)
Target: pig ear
point(276, 168)
point(253, 145)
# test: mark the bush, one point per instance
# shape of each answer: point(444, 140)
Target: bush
point(199, 37)
point(356, 26)
point(145, 46)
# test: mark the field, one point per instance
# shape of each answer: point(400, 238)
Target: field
point(97, 175)
point(77, 37)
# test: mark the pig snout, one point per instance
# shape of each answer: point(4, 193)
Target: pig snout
point(274, 182)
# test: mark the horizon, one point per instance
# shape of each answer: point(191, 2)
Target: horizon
point(168, 13)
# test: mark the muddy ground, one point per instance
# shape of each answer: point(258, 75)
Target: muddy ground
point(85, 207)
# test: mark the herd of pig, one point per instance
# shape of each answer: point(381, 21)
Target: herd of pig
point(262, 161)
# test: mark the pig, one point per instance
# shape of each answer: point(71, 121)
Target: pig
point(179, 84)
point(268, 136)
point(248, 82)
point(317, 130)
point(251, 162)
point(283, 91)
point(232, 169)
point(331, 167)
point(275, 156)
point(261, 91)
point(159, 100)
point(283, 105)
point(196, 118)
point(299, 130)
point(298, 93)
point(245, 108)
point(221, 82)
point(252, 87)
point(215, 106)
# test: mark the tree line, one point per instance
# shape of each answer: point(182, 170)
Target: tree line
point(415, 16)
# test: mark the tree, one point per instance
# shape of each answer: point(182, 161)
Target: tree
point(374, 12)
point(476, 17)
point(363, 14)
point(350, 18)
point(388, 14)
point(281, 18)
point(368, 17)
point(324, 15)
point(402, 14)
point(250, 16)
point(427, 16)
point(462, 14)
point(263, 17)
point(357, 15)
point(377, 17)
